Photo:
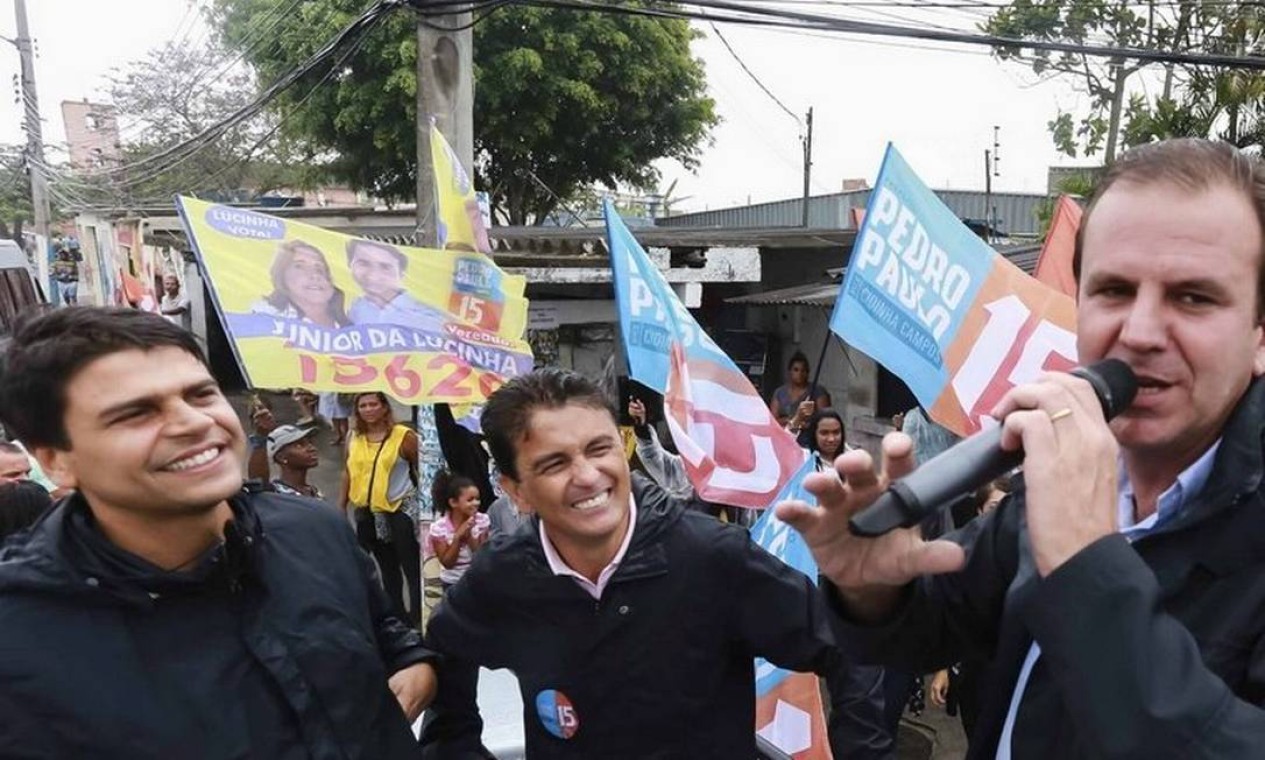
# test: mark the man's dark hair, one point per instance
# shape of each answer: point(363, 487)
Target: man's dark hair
point(355, 243)
point(21, 504)
point(798, 357)
point(507, 415)
point(47, 352)
point(1191, 164)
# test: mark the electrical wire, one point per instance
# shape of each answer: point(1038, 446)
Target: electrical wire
point(488, 7)
point(755, 78)
point(258, 33)
point(712, 11)
point(730, 12)
point(181, 151)
point(250, 153)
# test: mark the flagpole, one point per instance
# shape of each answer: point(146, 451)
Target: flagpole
point(821, 357)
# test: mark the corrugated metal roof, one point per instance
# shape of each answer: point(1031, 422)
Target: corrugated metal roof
point(813, 294)
point(1025, 257)
point(823, 294)
point(1015, 213)
point(395, 226)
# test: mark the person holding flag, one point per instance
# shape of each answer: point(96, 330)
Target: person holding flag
point(791, 403)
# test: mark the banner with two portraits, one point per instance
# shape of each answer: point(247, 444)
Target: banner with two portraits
point(307, 307)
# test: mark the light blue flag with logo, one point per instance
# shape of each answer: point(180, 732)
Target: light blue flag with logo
point(912, 277)
point(733, 449)
point(785, 543)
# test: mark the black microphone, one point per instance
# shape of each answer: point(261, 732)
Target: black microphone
point(977, 460)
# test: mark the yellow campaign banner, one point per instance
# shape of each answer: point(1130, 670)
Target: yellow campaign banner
point(307, 307)
point(456, 205)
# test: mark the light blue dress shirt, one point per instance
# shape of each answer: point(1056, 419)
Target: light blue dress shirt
point(403, 310)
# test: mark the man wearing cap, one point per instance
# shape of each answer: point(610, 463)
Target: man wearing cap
point(292, 449)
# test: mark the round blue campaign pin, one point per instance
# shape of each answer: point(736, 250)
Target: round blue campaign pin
point(557, 714)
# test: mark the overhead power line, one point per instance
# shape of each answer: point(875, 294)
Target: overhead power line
point(771, 14)
point(164, 159)
point(745, 13)
point(754, 78)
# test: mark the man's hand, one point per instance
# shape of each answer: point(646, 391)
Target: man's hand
point(938, 691)
point(414, 687)
point(637, 411)
point(869, 572)
point(1070, 480)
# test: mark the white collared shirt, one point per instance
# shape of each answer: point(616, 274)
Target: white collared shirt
point(560, 567)
point(1190, 482)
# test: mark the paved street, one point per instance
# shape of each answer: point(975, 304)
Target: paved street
point(934, 735)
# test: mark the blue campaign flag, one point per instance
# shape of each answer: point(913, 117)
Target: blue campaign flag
point(651, 317)
point(914, 274)
point(734, 450)
point(780, 539)
point(785, 543)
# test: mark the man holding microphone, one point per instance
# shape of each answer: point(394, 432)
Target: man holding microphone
point(1119, 595)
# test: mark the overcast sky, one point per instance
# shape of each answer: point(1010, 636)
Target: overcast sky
point(937, 103)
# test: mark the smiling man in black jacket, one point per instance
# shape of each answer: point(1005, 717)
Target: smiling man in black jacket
point(162, 611)
point(630, 623)
point(1119, 594)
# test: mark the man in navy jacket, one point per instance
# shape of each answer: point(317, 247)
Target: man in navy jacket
point(630, 622)
point(1119, 593)
point(162, 611)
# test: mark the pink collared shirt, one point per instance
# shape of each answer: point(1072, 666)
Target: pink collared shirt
point(560, 567)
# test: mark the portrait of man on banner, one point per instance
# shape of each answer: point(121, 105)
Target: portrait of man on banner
point(308, 307)
point(379, 269)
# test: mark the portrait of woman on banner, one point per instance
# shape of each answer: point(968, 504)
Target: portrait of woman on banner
point(302, 287)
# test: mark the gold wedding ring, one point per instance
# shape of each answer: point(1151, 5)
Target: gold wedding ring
point(1060, 414)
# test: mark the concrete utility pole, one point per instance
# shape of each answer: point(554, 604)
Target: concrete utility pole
point(988, 195)
point(34, 131)
point(808, 164)
point(991, 159)
point(445, 91)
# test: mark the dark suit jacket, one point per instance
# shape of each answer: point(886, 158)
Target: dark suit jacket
point(1149, 650)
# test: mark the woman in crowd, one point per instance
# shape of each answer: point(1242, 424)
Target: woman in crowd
point(461, 528)
point(380, 483)
point(788, 403)
point(302, 287)
point(824, 437)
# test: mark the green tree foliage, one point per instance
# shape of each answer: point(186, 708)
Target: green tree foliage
point(172, 95)
point(1226, 104)
point(563, 99)
point(15, 193)
point(581, 98)
point(1078, 185)
point(1114, 23)
point(1193, 101)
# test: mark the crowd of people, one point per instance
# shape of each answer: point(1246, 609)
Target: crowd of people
point(1103, 601)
